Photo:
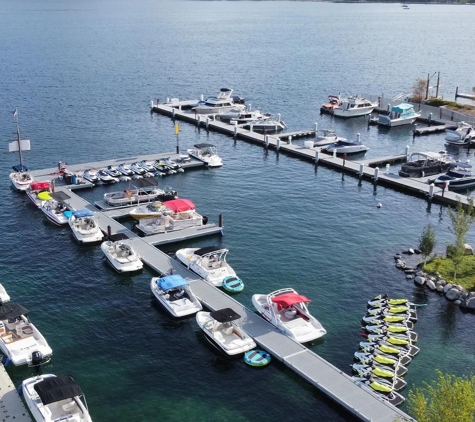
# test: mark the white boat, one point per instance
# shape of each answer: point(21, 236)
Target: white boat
point(85, 227)
point(57, 209)
point(268, 125)
point(175, 214)
point(287, 310)
point(39, 193)
point(223, 329)
point(126, 171)
point(208, 262)
point(112, 171)
point(239, 115)
point(4, 296)
point(346, 147)
point(402, 114)
point(137, 169)
point(106, 178)
point(52, 398)
point(421, 164)
point(175, 294)
point(462, 135)
point(20, 340)
point(152, 210)
point(222, 102)
point(91, 176)
point(207, 153)
point(327, 137)
point(354, 107)
point(458, 177)
point(20, 177)
point(173, 165)
point(121, 256)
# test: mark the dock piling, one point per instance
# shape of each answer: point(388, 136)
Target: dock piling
point(361, 169)
point(358, 137)
point(429, 119)
point(334, 153)
point(168, 100)
point(431, 190)
point(220, 223)
point(173, 112)
point(109, 232)
point(52, 185)
point(202, 98)
point(207, 122)
point(235, 130)
point(316, 128)
point(290, 140)
point(317, 155)
point(388, 166)
point(251, 128)
point(266, 140)
point(277, 145)
point(151, 104)
point(376, 174)
point(407, 150)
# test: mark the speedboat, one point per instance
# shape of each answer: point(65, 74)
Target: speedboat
point(383, 389)
point(39, 193)
point(175, 294)
point(57, 209)
point(214, 105)
point(20, 177)
point(152, 210)
point(4, 296)
point(267, 125)
point(346, 147)
point(91, 176)
point(421, 164)
point(242, 116)
point(402, 114)
point(52, 398)
point(112, 171)
point(121, 256)
point(85, 227)
point(20, 340)
point(327, 137)
point(223, 329)
point(287, 310)
point(106, 178)
point(458, 177)
point(208, 262)
point(207, 153)
point(354, 107)
point(462, 135)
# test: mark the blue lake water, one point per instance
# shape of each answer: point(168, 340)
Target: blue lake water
point(82, 76)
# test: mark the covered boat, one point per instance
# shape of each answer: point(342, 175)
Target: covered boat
point(222, 102)
point(353, 106)
point(421, 164)
point(20, 177)
point(38, 192)
point(120, 255)
point(57, 209)
point(402, 114)
point(463, 135)
point(459, 176)
point(85, 226)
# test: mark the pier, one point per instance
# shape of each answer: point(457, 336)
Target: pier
point(11, 405)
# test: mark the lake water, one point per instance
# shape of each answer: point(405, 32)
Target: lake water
point(82, 76)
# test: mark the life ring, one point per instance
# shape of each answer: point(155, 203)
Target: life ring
point(257, 358)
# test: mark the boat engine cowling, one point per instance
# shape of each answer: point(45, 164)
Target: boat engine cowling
point(36, 358)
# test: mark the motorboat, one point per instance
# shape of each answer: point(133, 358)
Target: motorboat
point(421, 164)
point(383, 361)
point(112, 171)
point(334, 101)
point(238, 115)
point(463, 135)
point(402, 114)
point(208, 262)
point(346, 147)
point(4, 296)
point(121, 256)
point(214, 105)
point(287, 310)
point(381, 372)
point(141, 190)
point(57, 209)
point(223, 329)
point(39, 193)
point(384, 389)
point(52, 398)
point(126, 171)
point(85, 226)
point(158, 209)
point(170, 221)
point(91, 176)
point(20, 340)
point(458, 177)
point(354, 106)
point(175, 294)
point(391, 319)
point(265, 126)
point(151, 210)
point(106, 178)
point(207, 153)
point(327, 137)
point(20, 177)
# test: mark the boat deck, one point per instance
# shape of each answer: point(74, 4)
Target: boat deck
point(11, 405)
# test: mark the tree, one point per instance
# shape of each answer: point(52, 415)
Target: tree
point(461, 220)
point(447, 399)
point(427, 242)
point(419, 90)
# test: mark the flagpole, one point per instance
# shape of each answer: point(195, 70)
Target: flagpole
point(18, 136)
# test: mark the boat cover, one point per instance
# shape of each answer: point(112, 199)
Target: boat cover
point(60, 196)
point(205, 145)
point(224, 315)
point(402, 108)
point(171, 282)
point(144, 182)
point(83, 213)
point(11, 310)
point(180, 205)
point(58, 388)
point(207, 249)
point(40, 186)
point(289, 299)
point(20, 167)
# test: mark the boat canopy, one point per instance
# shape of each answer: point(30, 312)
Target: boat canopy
point(60, 196)
point(20, 167)
point(83, 213)
point(289, 299)
point(206, 250)
point(224, 315)
point(205, 145)
point(54, 389)
point(12, 310)
point(144, 182)
point(171, 282)
point(40, 186)
point(180, 205)
point(402, 108)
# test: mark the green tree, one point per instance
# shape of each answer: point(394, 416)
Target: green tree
point(427, 242)
point(419, 90)
point(461, 220)
point(446, 399)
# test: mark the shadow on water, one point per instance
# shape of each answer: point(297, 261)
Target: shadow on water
point(448, 317)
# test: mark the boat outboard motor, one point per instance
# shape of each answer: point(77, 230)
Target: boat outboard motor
point(36, 358)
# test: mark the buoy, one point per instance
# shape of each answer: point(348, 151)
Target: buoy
point(379, 205)
point(257, 358)
point(233, 284)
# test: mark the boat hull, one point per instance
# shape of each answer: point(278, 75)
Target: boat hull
point(354, 112)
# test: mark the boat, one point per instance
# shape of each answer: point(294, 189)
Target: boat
point(265, 126)
point(39, 193)
point(137, 169)
point(223, 329)
point(207, 153)
point(346, 147)
point(403, 311)
point(287, 311)
point(173, 165)
point(106, 178)
point(402, 114)
point(152, 210)
point(458, 177)
point(398, 338)
point(421, 164)
point(112, 171)
point(239, 116)
point(52, 398)
point(120, 255)
point(125, 170)
point(163, 169)
point(4, 296)
point(257, 358)
point(57, 209)
point(20, 177)
point(20, 340)
point(208, 262)
point(175, 294)
point(91, 176)
point(354, 106)
point(142, 190)
point(396, 330)
point(382, 389)
point(380, 372)
point(389, 348)
point(85, 227)
point(333, 102)
point(327, 137)
point(214, 105)
point(463, 135)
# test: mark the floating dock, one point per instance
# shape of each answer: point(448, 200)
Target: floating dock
point(11, 405)
point(419, 131)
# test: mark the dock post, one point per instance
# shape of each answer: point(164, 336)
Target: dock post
point(151, 104)
point(251, 128)
point(317, 155)
point(430, 119)
point(179, 107)
point(249, 107)
point(444, 186)
point(316, 128)
point(235, 130)
point(334, 153)
point(198, 117)
point(389, 106)
point(431, 190)
point(220, 223)
point(388, 166)
point(358, 137)
point(173, 112)
point(277, 145)
point(361, 169)
point(456, 93)
point(344, 159)
point(407, 150)
point(376, 174)
point(290, 140)
point(202, 98)
point(52, 185)
point(207, 122)
point(266, 140)
point(109, 232)
point(414, 132)
point(168, 100)
point(278, 117)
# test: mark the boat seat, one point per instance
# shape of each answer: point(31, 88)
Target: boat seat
point(219, 336)
point(179, 294)
point(228, 330)
point(290, 313)
point(67, 407)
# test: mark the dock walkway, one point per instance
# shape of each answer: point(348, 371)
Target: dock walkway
point(11, 405)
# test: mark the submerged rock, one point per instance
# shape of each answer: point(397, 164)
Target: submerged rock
point(430, 284)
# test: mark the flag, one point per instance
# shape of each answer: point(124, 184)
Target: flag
point(15, 113)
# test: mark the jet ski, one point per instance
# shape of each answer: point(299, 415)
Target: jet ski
point(384, 299)
point(381, 384)
point(395, 330)
point(398, 340)
point(383, 361)
point(91, 176)
point(137, 169)
point(125, 170)
point(148, 167)
point(174, 166)
point(379, 370)
point(389, 348)
point(112, 171)
point(392, 319)
point(106, 178)
point(163, 168)
point(403, 311)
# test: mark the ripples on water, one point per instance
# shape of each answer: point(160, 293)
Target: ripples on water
point(83, 78)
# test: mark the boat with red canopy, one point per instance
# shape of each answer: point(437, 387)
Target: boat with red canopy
point(35, 189)
point(287, 310)
point(180, 205)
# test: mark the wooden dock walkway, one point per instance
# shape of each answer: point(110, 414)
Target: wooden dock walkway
point(419, 131)
point(11, 405)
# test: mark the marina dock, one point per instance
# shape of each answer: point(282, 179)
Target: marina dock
point(11, 405)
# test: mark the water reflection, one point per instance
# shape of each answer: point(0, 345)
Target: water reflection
point(447, 317)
